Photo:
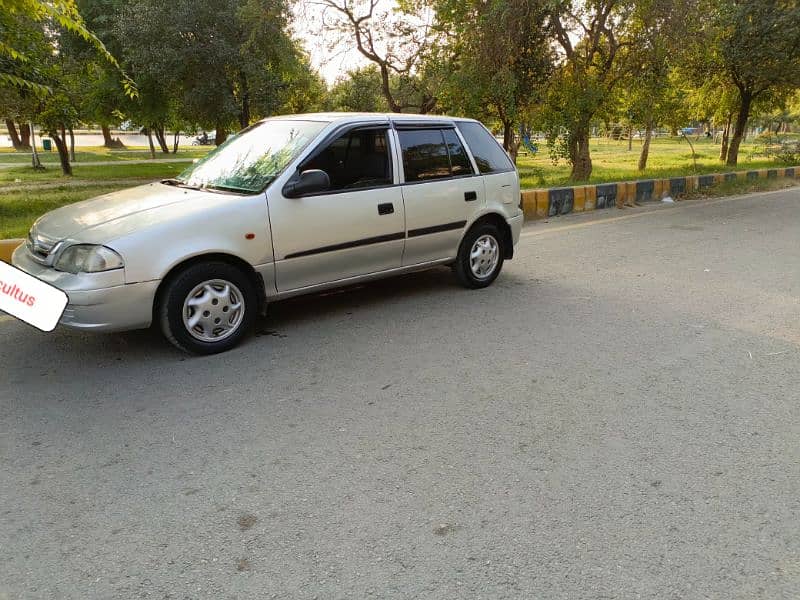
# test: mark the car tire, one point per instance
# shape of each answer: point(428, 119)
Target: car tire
point(207, 308)
point(480, 256)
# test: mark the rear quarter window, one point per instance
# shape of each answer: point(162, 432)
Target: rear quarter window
point(489, 155)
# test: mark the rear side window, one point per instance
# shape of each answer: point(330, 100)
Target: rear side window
point(433, 154)
point(489, 155)
point(424, 154)
point(459, 161)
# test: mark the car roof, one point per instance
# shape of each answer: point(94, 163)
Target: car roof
point(343, 117)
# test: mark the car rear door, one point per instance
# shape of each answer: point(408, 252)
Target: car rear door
point(355, 228)
point(441, 190)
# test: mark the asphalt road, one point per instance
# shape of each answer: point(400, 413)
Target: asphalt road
point(618, 417)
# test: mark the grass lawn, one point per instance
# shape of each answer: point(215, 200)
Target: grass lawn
point(18, 210)
point(669, 157)
point(52, 173)
point(98, 153)
point(744, 186)
point(612, 162)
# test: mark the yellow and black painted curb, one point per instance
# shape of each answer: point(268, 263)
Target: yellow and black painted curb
point(7, 248)
point(544, 203)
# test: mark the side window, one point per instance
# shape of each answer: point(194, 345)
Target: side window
point(489, 155)
point(424, 154)
point(459, 161)
point(358, 159)
point(433, 154)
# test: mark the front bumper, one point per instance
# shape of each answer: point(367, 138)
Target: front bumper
point(97, 301)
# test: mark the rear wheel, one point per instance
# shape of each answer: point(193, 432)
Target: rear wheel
point(480, 256)
point(207, 308)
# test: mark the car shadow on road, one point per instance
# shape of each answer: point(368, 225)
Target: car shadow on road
point(429, 290)
point(356, 297)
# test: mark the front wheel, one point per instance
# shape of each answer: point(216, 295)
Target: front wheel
point(480, 257)
point(207, 308)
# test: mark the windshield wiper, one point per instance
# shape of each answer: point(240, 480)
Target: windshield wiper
point(227, 188)
point(179, 183)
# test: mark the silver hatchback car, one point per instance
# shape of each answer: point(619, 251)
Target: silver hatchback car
point(291, 205)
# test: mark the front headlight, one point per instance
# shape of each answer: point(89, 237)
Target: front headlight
point(88, 258)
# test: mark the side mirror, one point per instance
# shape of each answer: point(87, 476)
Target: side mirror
point(310, 182)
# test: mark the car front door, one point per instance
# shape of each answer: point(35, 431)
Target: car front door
point(355, 227)
point(441, 192)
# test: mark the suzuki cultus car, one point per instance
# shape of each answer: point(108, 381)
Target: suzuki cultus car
point(291, 205)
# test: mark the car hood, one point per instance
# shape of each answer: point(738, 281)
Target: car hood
point(101, 217)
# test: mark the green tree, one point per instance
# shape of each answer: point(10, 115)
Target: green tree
point(104, 96)
point(219, 64)
point(18, 102)
point(594, 40)
point(501, 60)
point(398, 41)
point(755, 45)
point(49, 99)
point(359, 91)
point(649, 92)
point(55, 13)
point(713, 99)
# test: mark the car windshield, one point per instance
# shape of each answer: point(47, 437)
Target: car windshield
point(249, 161)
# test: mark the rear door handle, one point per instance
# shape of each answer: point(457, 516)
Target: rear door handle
point(385, 209)
point(470, 196)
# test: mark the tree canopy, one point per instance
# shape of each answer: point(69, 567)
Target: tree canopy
point(563, 69)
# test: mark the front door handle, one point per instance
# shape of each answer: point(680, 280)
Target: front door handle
point(385, 209)
point(470, 196)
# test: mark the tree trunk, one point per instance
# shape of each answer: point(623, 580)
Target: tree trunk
point(741, 127)
point(244, 114)
point(580, 156)
point(12, 132)
point(162, 140)
point(510, 141)
point(648, 135)
point(108, 141)
point(164, 144)
point(387, 90)
point(726, 134)
point(427, 105)
point(63, 153)
point(150, 141)
point(630, 139)
point(36, 163)
point(176, 139)
point(71, 144)
point(25, 136)
point(221, 134)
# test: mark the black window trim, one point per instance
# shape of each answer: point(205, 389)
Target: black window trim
point(406, 125)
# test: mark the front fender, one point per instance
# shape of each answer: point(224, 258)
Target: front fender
point(151, 252)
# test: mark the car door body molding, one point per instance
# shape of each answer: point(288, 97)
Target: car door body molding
point(437, 228)
point(380, 239)
point(354, 244)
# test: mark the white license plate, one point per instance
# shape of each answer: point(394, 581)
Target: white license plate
point(30, 299)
